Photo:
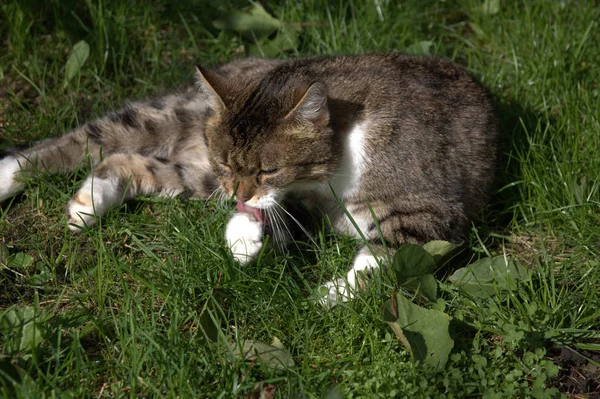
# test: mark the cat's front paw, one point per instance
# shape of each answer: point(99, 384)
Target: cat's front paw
point(80, 212)
point(9, 166)
point(244, 236)
point(344, 289)
point(93, 199)
point(334, 292)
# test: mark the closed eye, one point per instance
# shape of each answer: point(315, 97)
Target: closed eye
point(269, 171)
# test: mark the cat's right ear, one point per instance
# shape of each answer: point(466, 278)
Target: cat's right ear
point(312, 105)
point(212, 85)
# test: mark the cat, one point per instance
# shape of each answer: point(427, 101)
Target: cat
point(390, 148)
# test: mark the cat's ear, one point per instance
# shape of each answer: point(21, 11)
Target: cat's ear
point(213, 86)
point(312, 105)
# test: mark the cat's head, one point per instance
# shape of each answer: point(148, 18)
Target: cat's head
point(266, 138)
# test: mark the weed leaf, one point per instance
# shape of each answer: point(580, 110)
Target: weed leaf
point(489, 275)
point(490, 7)
point(10, 376)
point(270, 355)
point(20, 260)
point(413, 266)
point(24, 326)
point(253, 22)
point(440, 250)
point(412, 260)
point(77, 57)
point(424, 332)
point(285, 40)
point(420, 48)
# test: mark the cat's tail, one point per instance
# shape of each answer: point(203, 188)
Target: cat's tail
point(57, 155)
point(145, 128)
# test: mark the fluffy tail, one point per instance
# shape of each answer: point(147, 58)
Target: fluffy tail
point(57, 155)
point(146, 128)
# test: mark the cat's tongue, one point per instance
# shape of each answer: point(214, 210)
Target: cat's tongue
point(258, 213)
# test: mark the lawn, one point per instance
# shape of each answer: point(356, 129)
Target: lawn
point(150, 303)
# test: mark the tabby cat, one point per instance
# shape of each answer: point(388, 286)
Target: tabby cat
point(390, 148)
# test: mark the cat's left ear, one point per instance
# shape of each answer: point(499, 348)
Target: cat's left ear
point(212, 85)
point(312, 105)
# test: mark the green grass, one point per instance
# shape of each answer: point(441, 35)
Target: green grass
point(121, 310)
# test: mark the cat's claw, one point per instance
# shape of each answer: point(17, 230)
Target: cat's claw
point(244, 236)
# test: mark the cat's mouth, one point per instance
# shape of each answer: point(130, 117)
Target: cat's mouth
point(258, 213)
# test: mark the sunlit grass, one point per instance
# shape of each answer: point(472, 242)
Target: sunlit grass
point(127, 305)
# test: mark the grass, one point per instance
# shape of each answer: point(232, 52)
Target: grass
point(122, 310)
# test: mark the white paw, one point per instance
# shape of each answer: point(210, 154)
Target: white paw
point(9, 166)
point(244, 236)
point(334, 292)
point(344, 289)
point(93, 199)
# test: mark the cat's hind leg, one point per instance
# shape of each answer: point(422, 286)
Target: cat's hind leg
point(120, 177)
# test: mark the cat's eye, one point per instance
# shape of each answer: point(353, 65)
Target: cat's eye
point(269, 171)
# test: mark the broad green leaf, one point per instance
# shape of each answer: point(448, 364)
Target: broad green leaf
point(490, 7)
point(273, 357)
point(412, 260)
point(42, 277)
point(424, 285)
point(413, 267)
point(286, 40)
point(10, 376)
point(489, 275)
point(420, 48)
point(253, 22)
point(277, 343)
point(424, 332)
point(20, 260)
point(440, 250)
point(77, 57)
point(25, 326)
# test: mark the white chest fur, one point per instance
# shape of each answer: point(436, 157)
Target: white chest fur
point(346, 180)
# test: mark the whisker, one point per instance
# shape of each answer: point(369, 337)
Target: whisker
point(297, 222)
point(291, 236)
point(279, 220)
point(276, 227)
point(213, 193)
point(210, 196)
point(222, 198)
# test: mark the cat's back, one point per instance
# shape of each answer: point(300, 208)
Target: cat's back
point(385, 80)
